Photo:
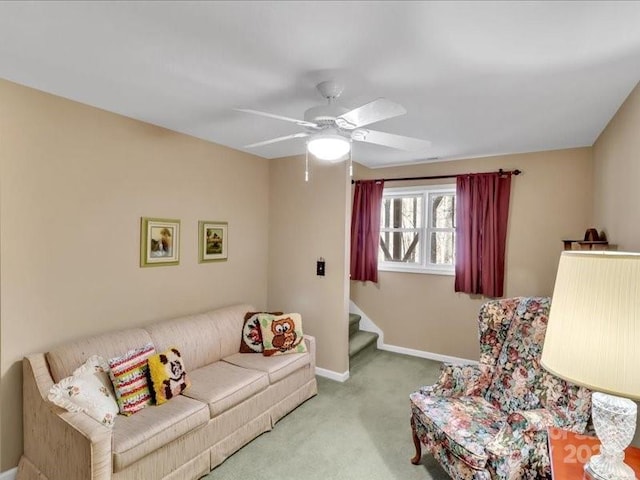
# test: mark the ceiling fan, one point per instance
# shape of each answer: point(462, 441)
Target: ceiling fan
point(331, 127)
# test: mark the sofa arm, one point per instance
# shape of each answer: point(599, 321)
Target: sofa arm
point(311, 347)
point(60, 444)
point(461, 380)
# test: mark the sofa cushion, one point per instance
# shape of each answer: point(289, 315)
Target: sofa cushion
point(277, 367)
point(153, 427)
point(64, 359)
point(201, 337)
point(223, 386)
point(229, 323)
point(196, 335)
point(466, 424)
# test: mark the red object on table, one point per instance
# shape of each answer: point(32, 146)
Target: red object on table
point(569, 452)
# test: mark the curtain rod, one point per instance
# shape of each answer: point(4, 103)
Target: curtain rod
point(436, 177)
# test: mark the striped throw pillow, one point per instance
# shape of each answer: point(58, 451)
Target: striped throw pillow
point(129, 376)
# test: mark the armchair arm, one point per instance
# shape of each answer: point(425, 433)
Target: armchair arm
point(535, 420)
point(60, 444)
point(461, 380)
point(543, 418)
point(524, 427)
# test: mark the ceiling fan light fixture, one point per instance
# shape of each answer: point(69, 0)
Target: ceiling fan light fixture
point(329, 147)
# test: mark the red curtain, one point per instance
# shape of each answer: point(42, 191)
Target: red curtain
point(482, 211)
point(365, 230)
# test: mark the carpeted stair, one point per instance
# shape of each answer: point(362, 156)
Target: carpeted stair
point(360, 342)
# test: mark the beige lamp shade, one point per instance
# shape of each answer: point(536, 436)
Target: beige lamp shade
point(593, 334)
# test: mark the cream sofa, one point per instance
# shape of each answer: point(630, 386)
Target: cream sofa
point(234, 397)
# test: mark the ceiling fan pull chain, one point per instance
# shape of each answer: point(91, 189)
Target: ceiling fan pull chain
point(306, 165)
point(351, 159)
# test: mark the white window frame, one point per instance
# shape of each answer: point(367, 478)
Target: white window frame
point(427, 192)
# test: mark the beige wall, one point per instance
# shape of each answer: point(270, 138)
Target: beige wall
point(308, 221)
point(550, 201)
point(74, 182)
point(616, 156)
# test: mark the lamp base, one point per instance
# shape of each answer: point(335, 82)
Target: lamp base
point(614, 419)
point(626, 472)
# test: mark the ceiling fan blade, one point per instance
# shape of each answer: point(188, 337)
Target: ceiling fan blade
point(400, 142)
point(279, 139)
point(302, 123)
point(380, 109)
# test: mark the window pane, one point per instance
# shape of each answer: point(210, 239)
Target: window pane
point(399, 247)
point(443, 209)
point(442, 248)
point(401, 212)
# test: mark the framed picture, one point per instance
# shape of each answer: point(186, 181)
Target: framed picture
point(213, 241)
point(159, 242)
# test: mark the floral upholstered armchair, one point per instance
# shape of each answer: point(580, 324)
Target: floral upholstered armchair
point(489, 420)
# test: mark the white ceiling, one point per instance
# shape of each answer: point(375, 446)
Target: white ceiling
point(476, 78)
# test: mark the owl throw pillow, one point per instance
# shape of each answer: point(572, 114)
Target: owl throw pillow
point(282, 334)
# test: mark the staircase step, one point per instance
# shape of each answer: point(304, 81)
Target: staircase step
point(361, 340)
point(354, 323)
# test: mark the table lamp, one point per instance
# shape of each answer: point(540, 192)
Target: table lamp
point(593, 340)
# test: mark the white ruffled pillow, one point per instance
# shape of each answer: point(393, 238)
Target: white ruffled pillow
point(88, 390)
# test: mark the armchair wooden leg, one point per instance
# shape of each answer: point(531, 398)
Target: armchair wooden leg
point(416, 442)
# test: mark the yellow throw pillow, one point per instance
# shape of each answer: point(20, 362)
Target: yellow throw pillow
point(168, 376)
point(282, 334)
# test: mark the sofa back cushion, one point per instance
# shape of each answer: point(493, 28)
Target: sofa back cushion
point(229, 323)
point(194, 335)
point(203, 338)
point(64, 359)
point(517, 382)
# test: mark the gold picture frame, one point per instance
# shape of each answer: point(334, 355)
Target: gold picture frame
point(159, 242)
point(214, 241)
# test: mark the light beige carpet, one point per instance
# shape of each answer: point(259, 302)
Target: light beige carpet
point(356, 430)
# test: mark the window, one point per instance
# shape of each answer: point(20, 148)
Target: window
point(417, 229)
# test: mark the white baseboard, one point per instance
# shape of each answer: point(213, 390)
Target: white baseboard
point(330, 374)
point(428, 355)
point(366, 323)
point(9, 474)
